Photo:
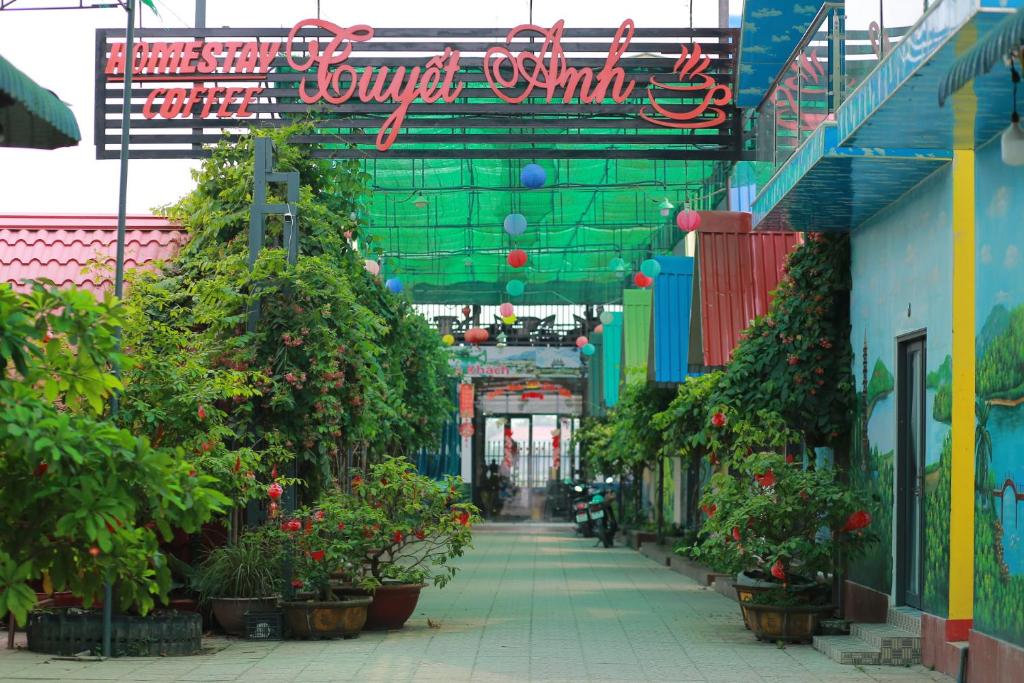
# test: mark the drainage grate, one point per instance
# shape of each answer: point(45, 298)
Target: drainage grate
point(264, 624)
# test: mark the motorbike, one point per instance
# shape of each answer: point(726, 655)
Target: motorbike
point(602, 520)
point(581, 512)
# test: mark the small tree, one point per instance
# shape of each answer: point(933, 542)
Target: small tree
point(85, 502)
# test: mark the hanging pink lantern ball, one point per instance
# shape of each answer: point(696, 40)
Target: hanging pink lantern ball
point(517, 258)
point(506, 309)
point(599, 329)
point(688, 220)
point(581, 341)
point(372, 267)
point(642, 281)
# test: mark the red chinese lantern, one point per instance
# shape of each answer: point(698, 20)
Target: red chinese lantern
point(477, 335)
point(581, 342)
point(517, 258)
point(688, 220)
point(642, 281)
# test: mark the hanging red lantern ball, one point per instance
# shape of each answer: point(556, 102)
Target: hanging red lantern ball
point(687, 220)
point(477, 335)
point(517, 258)
point(642, 281)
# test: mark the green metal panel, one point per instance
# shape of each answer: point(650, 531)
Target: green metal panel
point(35, 117)
point(636, 304)
point(595, 380)
point(611, 340)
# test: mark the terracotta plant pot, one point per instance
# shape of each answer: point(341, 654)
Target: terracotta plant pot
point(344, 618)
point(392, 606)
point(792, 624)
point(230, 612)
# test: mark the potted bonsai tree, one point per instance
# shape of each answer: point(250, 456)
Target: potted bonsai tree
point(317, 543)
point(240, 577)
point(793, 527)
point(409, 528)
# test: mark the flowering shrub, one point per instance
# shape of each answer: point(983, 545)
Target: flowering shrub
point(771, 514)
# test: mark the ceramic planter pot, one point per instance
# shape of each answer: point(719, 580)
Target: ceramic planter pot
point(748, 585)
point(230, 612)
point(392, 606)
point(792, 624)
point(313, 619)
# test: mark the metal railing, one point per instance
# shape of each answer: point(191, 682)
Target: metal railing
point(534, 325)
point(842, 46)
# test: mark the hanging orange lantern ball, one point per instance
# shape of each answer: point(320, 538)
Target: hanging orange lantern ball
point(517, 258)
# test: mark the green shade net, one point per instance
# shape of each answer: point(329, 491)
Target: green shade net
point(453, 249)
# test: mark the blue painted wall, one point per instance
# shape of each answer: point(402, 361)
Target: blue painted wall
point(673, 293)
point(999, 335)
point(902, 282)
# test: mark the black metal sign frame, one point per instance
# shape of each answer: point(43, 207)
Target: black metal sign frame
point(528, 92)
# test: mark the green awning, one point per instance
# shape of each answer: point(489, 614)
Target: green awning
point(993, 48)
point(32, 116)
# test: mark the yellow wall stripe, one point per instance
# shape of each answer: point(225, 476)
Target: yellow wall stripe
point(961, 512)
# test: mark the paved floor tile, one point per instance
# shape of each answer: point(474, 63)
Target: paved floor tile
point(526, 606)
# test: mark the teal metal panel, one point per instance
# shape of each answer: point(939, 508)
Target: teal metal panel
point(673, 293)
point(611, 340)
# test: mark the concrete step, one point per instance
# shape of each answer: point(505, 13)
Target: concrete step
point(659, 553)
point(906, 618)
point(848, 650)
point(897, 646)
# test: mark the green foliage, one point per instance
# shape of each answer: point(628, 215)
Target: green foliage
point(248, 568)
point(936, 531)
point(998, 596)
point(396, 525)
point(684, 423)
point(999, 372)
point(942, 381)
point(796, 359)
point(771, 510)
point(87, 502)
point(881, 383)
point(336, 363)
point(871, 476)
point(634, 441)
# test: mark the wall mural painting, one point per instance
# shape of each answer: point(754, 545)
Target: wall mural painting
point(999, 409)
point(907, 249)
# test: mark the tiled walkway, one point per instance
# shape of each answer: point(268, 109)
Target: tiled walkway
point(526, 606)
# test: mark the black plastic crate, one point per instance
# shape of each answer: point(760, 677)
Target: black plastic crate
point(264, 624)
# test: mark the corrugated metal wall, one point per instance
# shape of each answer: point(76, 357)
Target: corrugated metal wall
point(636, 304)
point(673, 291)
point(738, 271)
point(595, 380)
point(611, 340)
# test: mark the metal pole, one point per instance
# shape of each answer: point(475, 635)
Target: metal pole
point(122, 204)
point(200, 14)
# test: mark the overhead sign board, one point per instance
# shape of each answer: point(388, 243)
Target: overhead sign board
point(550, 91)
point(515, 361)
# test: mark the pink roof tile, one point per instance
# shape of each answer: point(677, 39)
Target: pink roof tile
point(79, 249)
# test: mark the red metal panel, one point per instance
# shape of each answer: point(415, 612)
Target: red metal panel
point(738, 271)
point(79, 249)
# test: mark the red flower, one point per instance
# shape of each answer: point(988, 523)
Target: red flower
point(397, 537)
point(857, 520)
point(368, 533)
point(420, 534)
point(778, 571)
point(709, 510)
point(793, 360)
point(317, 555)
point(41, 469)
point(318, 515)
point(357, 481)
point(274, 491)
point(736, 533)
point(292, 525)
point(463, 518)
point(341, 526)
point(309, 526)
point(297, 583)
point(47, 337)
point(238, 464)
point(714, 458)
point(766, 480)
point(383, 481)
point(191, 473)
point(790, 458)
point(201, 413)
point(718, 419)
point(273, 509)
point(94, 551)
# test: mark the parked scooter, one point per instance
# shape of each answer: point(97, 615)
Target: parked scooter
point(581, 512)
point(602, 518)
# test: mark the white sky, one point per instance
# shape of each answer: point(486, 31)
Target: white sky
point(55, 48)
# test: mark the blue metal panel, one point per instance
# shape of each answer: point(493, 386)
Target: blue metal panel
point(673, 293)
point(611, 340)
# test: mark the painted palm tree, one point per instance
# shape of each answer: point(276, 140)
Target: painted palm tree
point(982, 451)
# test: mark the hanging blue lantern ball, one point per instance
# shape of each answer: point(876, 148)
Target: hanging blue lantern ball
point(533, 176)
point(515, 224)
point(515, 287)
point(650, 268)
point(394, 285)
point(588, 349)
